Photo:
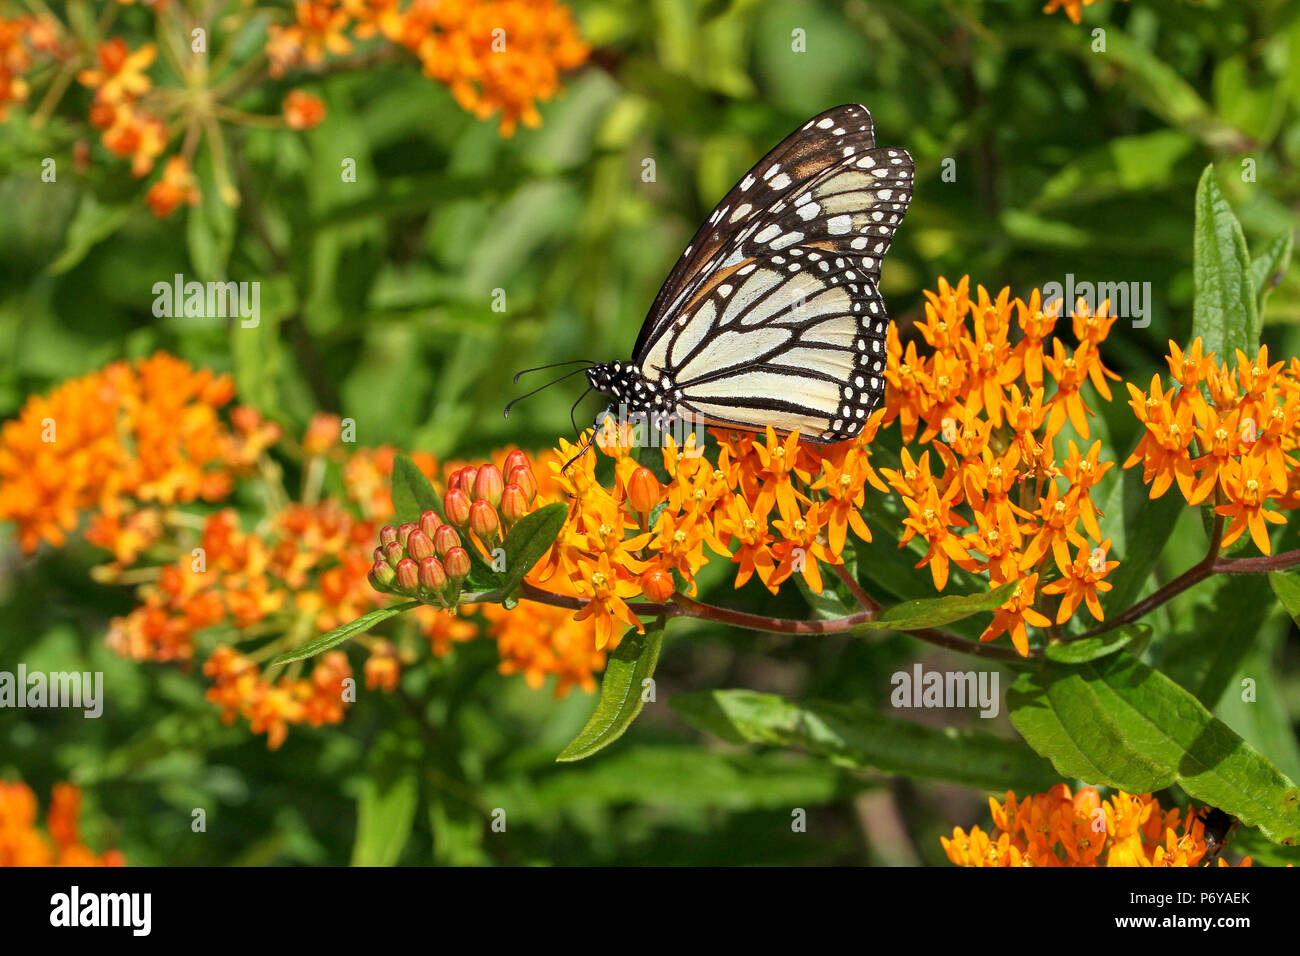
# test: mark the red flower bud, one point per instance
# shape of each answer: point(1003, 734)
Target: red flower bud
point(432, 576)
point(488, 484)
point(404, 531)
point(382, 576)
point(524, 478)
point(643, 490)
point(456, 506)
point(515, 459)
point(513, 504)
point(387, 534)
point(444, 539)
point(408, 574)
point(419, 546)
point(379, 555)
point(483, 520)
point(468, 475)
point(657, 585)
point(429, 522)
point(393, 552)
point(456, 564)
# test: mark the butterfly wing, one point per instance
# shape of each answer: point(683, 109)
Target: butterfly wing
point(774, 315)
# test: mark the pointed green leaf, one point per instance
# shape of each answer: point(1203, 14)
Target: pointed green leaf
point(1093, 648)
point(1226, 311)
point(340, 634)
point(936, 612)
point(1119, 723)
point(631, 663)
point(858, 736)
point(413, 493)
point(528, 542)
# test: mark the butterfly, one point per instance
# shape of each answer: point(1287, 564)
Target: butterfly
point(773, 314)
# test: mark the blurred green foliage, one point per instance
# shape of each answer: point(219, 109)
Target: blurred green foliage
point(377, 304)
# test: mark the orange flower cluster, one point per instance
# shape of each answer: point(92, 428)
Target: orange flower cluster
point(1236, 449)
point(24, 40)
point(21, 844)
point(494, 55)
point(124, 443)
point(1073, 8)
point(995, 497)
point(1058, 828)
point(240, 690)
point(785, 507)
point(130, 130)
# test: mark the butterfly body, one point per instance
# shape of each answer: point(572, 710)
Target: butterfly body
point(773, 314)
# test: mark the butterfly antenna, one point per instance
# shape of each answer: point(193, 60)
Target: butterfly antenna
point(575, 408)
point(541, 368)
point(540, 387)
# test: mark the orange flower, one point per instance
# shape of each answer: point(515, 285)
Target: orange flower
point(303, 110)
point(121, 73)
point(1081, 581)
point(1073, 8)
point(177, 186)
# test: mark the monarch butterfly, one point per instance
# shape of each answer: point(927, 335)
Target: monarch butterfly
point(773, 314)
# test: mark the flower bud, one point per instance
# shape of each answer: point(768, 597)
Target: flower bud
point(393, 552)
point(404, 532)
point(513, 504)
point(524, 478)
point(379, 555)
point(515, 459)
point(387, 534)
point(419, 546)
point(432, 575)
point(483, 520)
point(444, 539)
point(382, 576)
point(488, 485)
point(429, 522)
point(657, 585)
point(456, 564)
point(468, 475)
point(408, 574)
point(456, 506)
point(643, 490)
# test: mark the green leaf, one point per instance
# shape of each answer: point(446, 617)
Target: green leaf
point(1119, 723)
point(385, 813)
point(1287, 588)
point(936, 612)
point(1267, 269)
point(340, 634)
point(1226, 311)
point(413, 493)
point(1093, 648)
point(858, 736)
point(92, 224)
point(631, 663)
point(528, 542)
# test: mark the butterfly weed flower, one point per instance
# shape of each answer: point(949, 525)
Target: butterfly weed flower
point(1223, 433)
point(1060, 828)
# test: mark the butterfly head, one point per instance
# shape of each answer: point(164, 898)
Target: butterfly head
point(631, 391)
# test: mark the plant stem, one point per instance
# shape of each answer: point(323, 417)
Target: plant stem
point(682, 606)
